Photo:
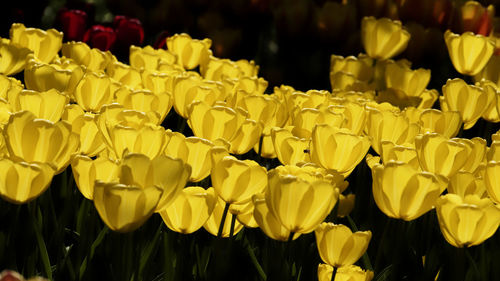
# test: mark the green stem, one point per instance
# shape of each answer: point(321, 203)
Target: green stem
point(366, 259)
point(261, 140)
point(473, 263)
point(223, 220)
point(233, 222)
point(35, 210)
point(334, 272)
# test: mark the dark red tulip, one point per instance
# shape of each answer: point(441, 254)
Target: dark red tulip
point(161, 41)
point(73, 24)
point(129, 31)
point(100, 37)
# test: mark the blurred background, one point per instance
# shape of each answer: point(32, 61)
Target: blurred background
point(291, 40)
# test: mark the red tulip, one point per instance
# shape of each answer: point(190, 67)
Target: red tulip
point(101, 37)
point(161, 42)
point(129, 31)
point(73, 23)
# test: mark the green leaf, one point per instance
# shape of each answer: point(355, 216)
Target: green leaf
point(88, 258)
point(39, 239)
point(146, 253)
point(385, 274)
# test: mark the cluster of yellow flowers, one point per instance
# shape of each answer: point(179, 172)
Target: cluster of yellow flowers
point(104, 117)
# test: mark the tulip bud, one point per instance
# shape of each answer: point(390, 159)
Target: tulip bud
point(468, 221)
point(338, 246)
point(93, 91)
point(402, 192)
point(468, 52)
point(411, 82)
point(100, 37)
point(190, 210)
point(21, 182)
point(383, 38)
point(44, 44)
point(190, 52)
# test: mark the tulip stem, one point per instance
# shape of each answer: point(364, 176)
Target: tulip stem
point(334, 272)
point(233, 222)
point(473, 263)
point(223, 220)
point(261, 139)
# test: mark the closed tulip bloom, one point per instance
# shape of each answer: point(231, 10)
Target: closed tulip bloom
point(149, 58)
point(411, 82)
point(347, 82)
point(337, 149)
point(345, 273)
point(48, 142)
point(125, 74)
point(48, 105)
point(476, 151)
point(21, 182)
point(446, 123)
point(71, 112)
point(76, 70)
point(399, 153)
point(149, 140)
point(338, 246)
point(43, 77)
point(217, 69)
point(440, 155)
point(290, 149)
point(13, 57)
point(469, 100)
point(468, 221)
point(9, 87)
point(383, 38)
point(401, 192)
point(354, 114)
point(124, 208)
point(490, 72)
point(93, 91)
point(93, 59)
point(267, 222)
point(213, 222)
point(236, 181)
point(468, 52)
point(493, 153)
point(306, 119)
point(44, 44)
point(491, 113)
point(492, 181)
point(360, 67)
point(91, 140)
point(86, 171)
point(187, 89)
point(299, 199)
point(190, 52)
point(167, 173)
point(145, 101)
point(390, 126)
point(346, 205)
point(190, 210)
point(464, 183)
point(268, 110)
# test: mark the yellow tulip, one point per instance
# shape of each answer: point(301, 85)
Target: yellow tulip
point(360, 67)
point(150, 58)
point(468, 52)
point(338, 246)
point(354, 114)
point(149, 140)
point(383, 38)
point(397, 98)
point(5, 111)
point(267, 222)
point(249, 68)
point(9, 87)
point(346, 205)
point(219, 69)
point(446, 123)
point(48, 142)
point(71, 112)
point(13, 57)
point(265, 109)
point(428, 98)
point(468, 221)
point(93, 59)
point(198, 157)
point(440, 155)
point(337, 149)
point(464, 183)
point(492, 181)
point(476, 153)
point(306, 119)
point(490, 72)
point(266, 150)
point(93, 91)
point(43, 77)
point(469, 100)
point(86, 171)
point(76, 70)
point(244, 213)
point(399, 153)
point(493, 153)
point(190, 210)
point(345, 273)
point(188, 89)
point(300, 198)
point(347, 82)
point(157, 82)
point(91, 140)
point(251, 85)
point(167, 173)
point(21, 182)
point(411, 82)
point(125, 208)
point(145, 101)
point(125, 74)
point(221, 122)
point(48, 105)
point(290, 150)
point(44, 44)
point(390, 126)
point(236, 181)
point(491, 112)
point(190, 52)
point(213, 223)
point(401, 192)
